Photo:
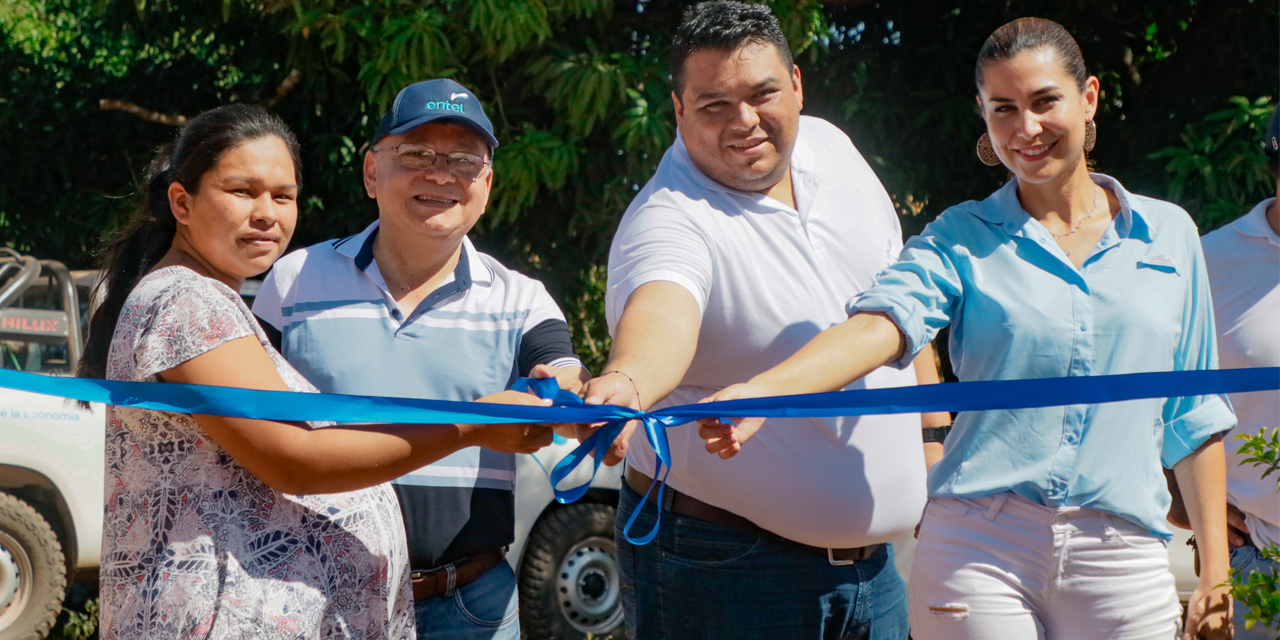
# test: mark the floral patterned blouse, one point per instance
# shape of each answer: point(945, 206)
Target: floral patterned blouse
point(196, 546)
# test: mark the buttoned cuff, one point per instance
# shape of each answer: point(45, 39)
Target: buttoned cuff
point(1188, 431)
point(908, 317)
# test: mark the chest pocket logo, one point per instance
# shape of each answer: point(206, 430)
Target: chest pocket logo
point(1163, 264)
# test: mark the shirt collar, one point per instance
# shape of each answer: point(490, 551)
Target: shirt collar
point(360, 249)
point(1003, 208)
point(480, 271)
point(1255, 223)
point(681, 155)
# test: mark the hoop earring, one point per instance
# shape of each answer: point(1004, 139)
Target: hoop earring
point(986, 152)
point(1090, 135)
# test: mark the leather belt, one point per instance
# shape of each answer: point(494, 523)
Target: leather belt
point(443, 581)
point(686, 505)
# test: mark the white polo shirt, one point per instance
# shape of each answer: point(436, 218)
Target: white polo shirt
point(1243, 259)
point(767, 279)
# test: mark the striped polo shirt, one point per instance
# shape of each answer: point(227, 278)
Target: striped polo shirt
point(335, 320)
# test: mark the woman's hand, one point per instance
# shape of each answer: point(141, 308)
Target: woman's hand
point(726, 438)
point(1209, 613)
point(512, 438)
point(1202, 481)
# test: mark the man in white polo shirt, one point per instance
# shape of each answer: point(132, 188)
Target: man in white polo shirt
point(1243, 260)
point(757, 227)
point(409, 308)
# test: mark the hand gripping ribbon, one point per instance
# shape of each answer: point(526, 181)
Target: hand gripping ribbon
point(956, 396)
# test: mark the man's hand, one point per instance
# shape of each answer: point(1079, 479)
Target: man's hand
point(1235, 526)
point(653, 344)
point(571, 379)
point(1209, 613)
point(725, 438)
point(512, 438)
point(611, 388)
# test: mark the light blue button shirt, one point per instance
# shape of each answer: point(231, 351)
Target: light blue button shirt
point(1019, 309)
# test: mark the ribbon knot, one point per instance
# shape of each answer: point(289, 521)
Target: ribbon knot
point(597, 445)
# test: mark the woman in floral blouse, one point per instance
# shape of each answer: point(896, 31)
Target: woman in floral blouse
point(223, 527)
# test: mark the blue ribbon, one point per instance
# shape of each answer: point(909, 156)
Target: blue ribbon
point(957, 396)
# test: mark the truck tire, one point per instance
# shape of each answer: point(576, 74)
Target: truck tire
point(569, 579)
point(33, 574)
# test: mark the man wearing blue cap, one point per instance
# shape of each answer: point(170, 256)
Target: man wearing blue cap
point(408, 307)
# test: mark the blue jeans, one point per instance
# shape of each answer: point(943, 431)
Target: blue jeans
point(1246, 560)
point(486, 609)
point(700, 580)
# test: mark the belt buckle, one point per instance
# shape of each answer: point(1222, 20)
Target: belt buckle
point(831, 557)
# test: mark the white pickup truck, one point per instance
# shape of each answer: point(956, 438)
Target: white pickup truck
point(51, 486)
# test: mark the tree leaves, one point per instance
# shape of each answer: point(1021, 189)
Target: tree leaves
point(1259, 591)
point(507, 26)
point(585, 86)
point(535, 161)
point(1219, 171)
point(578, 93)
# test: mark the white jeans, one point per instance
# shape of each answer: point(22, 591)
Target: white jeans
point(1006, 568)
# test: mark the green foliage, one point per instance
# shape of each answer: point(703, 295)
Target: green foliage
point(81, 626)
point(1260, 591)
point(535, 160)
point(899, 78)
point(70, 167)
point(586, 86)
point(578, 93)
point(1219, 171)
point(1262, 451)
point(585, 312)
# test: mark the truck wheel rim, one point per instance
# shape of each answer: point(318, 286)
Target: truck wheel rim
point(15, 582)
point(588, 586)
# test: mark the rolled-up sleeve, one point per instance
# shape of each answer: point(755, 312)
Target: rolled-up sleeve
point(1190, 421)
point(918, 293)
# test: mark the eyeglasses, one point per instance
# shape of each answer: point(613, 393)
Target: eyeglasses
point(419, 157)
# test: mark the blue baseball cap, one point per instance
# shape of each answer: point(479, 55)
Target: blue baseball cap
point(432, 101)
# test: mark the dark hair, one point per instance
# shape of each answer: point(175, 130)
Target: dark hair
point(1025, 34)
point(147, 236)
point(724, 25)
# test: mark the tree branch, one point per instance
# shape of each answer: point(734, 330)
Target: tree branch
point(146, 114)
point(289, 83)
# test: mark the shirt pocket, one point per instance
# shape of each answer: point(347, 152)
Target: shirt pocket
point(1162, 264)
point(1143, 314)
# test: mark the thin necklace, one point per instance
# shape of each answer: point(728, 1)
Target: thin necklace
point(1076, 227)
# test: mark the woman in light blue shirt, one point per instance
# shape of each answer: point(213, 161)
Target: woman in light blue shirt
point(1045, 523)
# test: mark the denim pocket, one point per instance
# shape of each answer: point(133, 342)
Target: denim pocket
point(699, 542)
point(490, 601)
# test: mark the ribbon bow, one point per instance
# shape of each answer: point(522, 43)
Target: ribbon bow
point(597, 445)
